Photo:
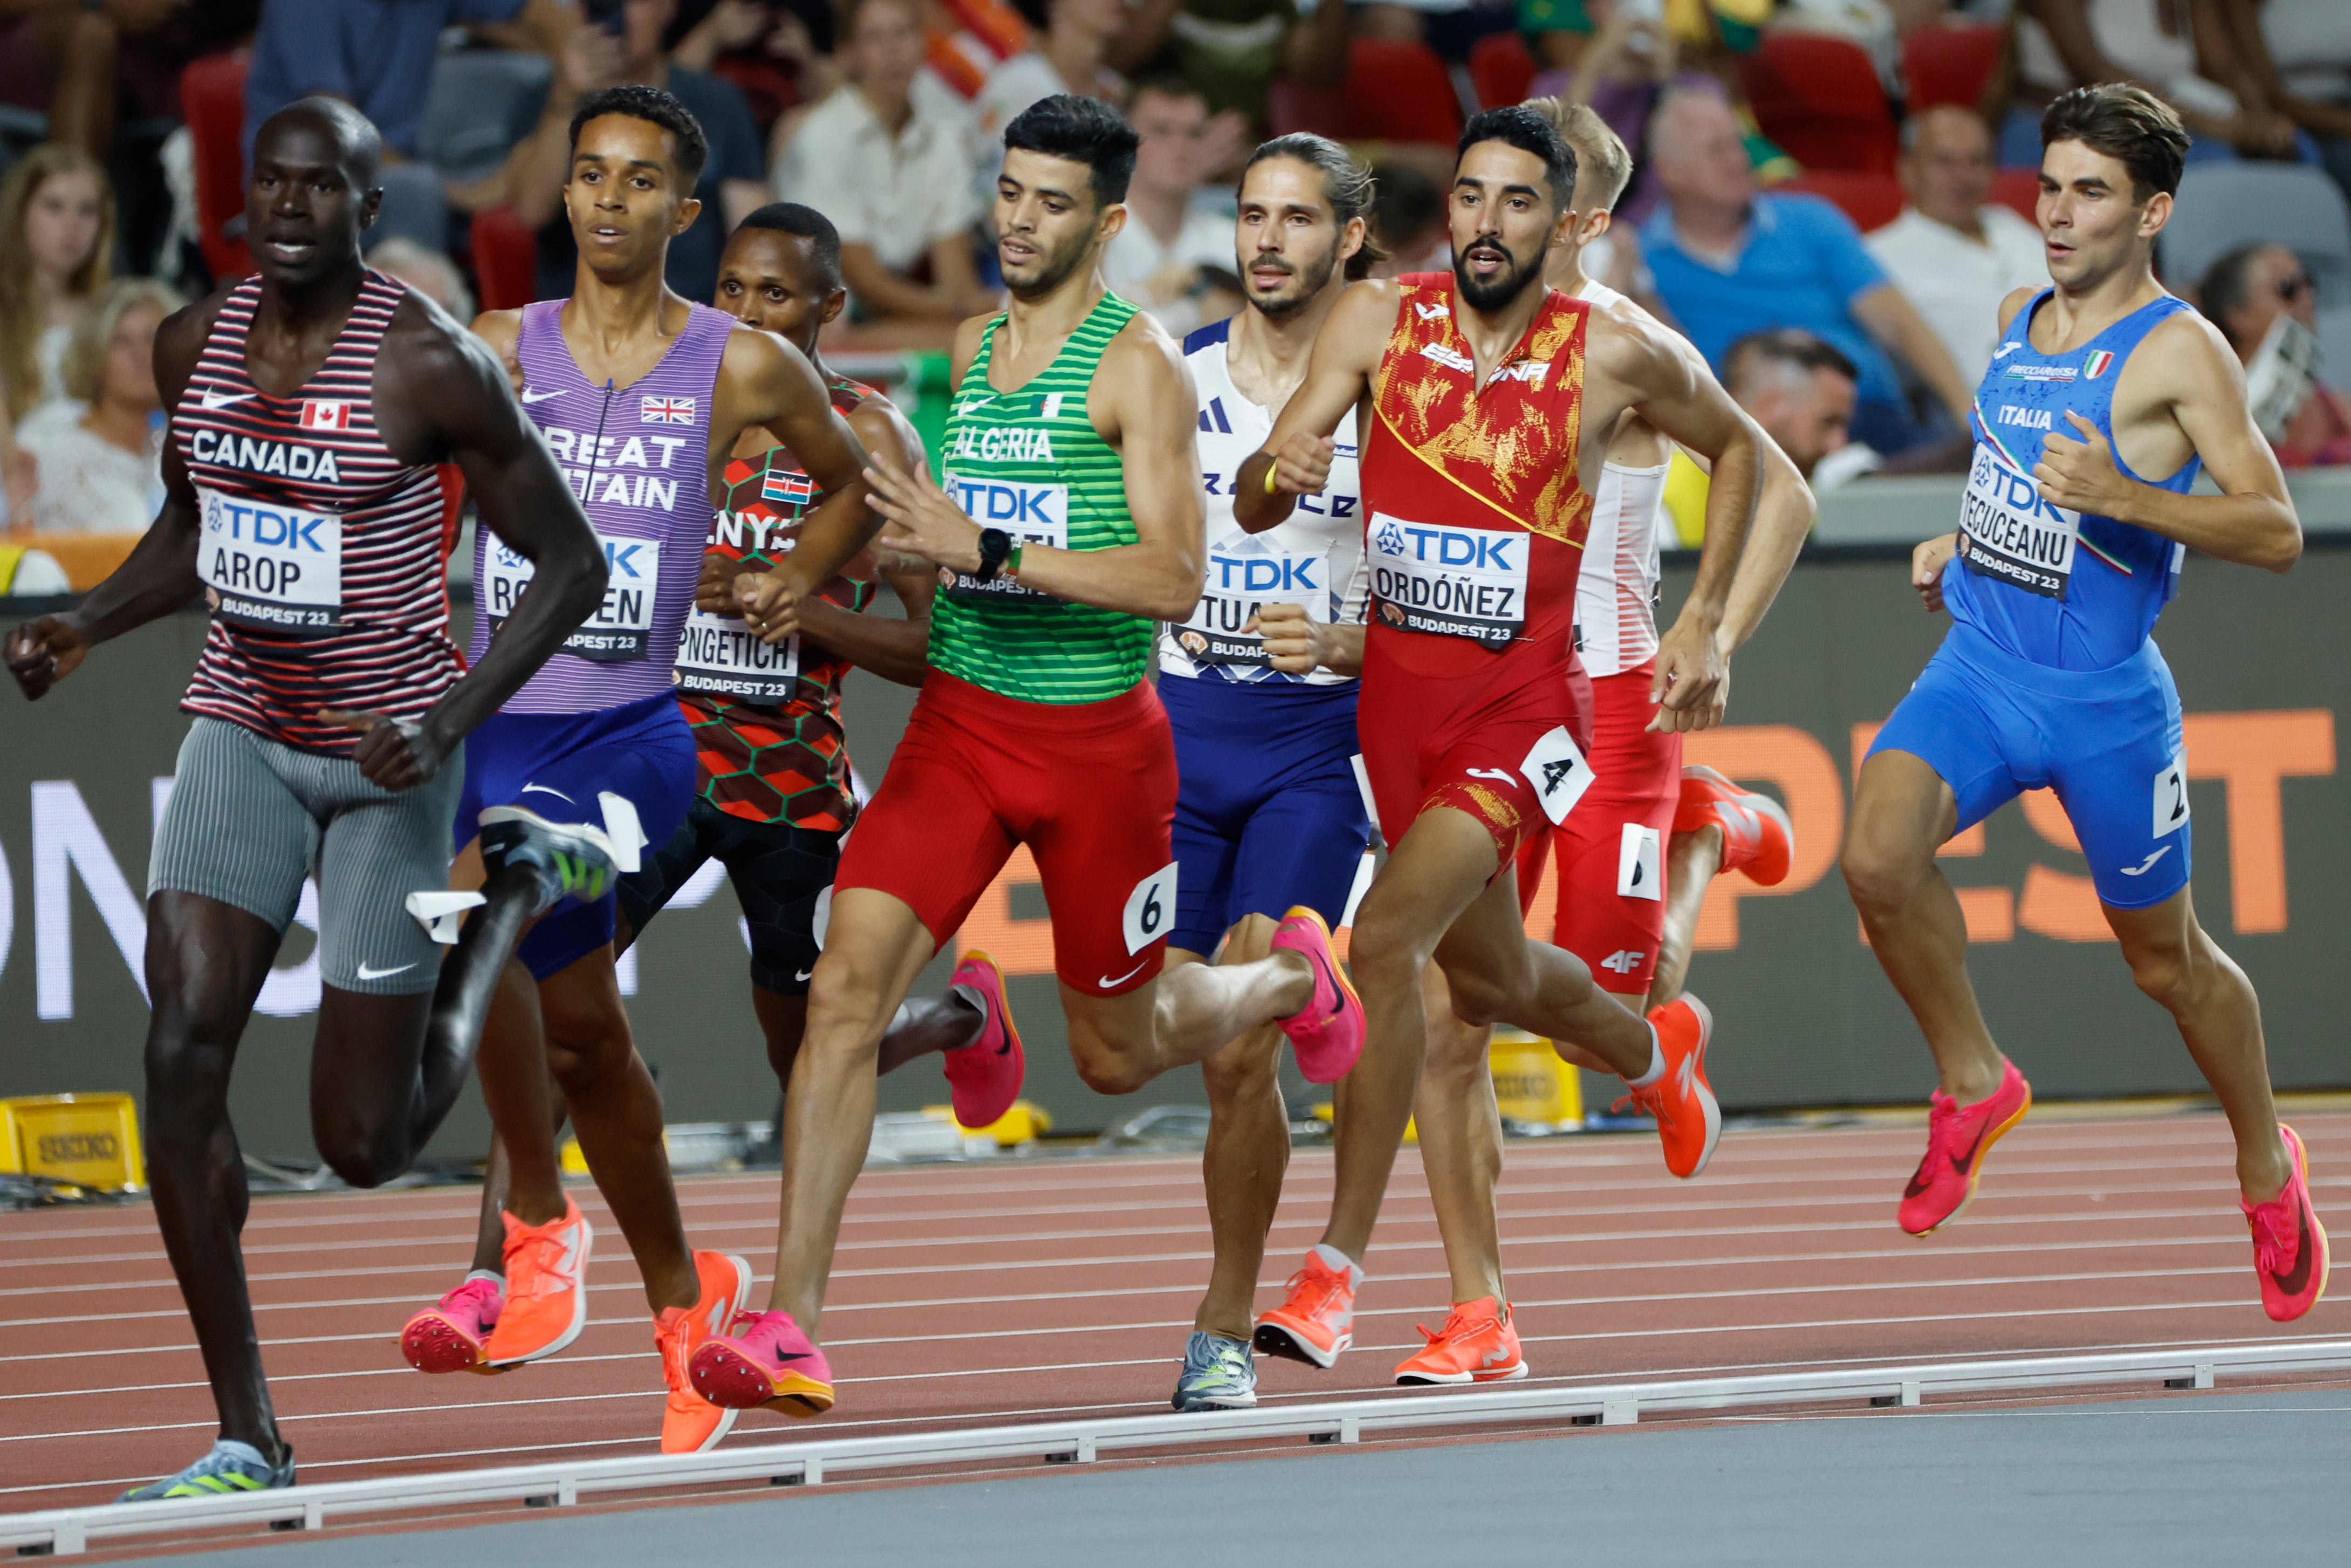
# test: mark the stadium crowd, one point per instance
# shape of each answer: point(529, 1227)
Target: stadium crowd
point(1829, 196)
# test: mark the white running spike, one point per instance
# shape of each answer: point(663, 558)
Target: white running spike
point(438, 911)
point(625, 833)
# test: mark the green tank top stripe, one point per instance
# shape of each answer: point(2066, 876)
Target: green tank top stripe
point(1030, 462)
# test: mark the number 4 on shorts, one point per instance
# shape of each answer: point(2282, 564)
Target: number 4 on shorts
point(2171, 797)
point(1151, 908)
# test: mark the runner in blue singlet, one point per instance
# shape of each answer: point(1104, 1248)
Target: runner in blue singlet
point(2105, 401)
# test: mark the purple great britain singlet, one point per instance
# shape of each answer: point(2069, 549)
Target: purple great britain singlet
point(638, 458)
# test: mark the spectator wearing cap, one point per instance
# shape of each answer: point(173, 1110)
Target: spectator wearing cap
point(380, 59)
point(591, 59)
point(1954, 253)
point(2266, 306)
point(1728, 259)
point(1801, 389)
point(894, 174)
point(1174, 228)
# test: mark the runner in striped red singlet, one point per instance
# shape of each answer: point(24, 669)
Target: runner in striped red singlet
point(1493, 400)
point(642, 396)
point(310, 408)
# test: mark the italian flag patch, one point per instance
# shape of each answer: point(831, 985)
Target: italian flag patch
point(2095, 366)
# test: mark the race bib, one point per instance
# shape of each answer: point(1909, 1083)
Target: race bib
point(1033, 514)
point(1640, 864)
point(1555, 766)
point(2007, 532)
point(1456, 582)
point(270, 566)
point(1238, 587)
point(1150, 909)
point(618, 631)
point(719, 654)
point(2171, 797)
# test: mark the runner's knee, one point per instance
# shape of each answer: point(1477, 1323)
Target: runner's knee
point(1247, 1069)
point(364, 1154)
point(1882, 865)
point(2176, 971)
point(1105, 1067)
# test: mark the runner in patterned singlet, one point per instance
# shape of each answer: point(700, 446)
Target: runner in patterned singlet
point(310, 408)
point(1069, 521)
point(1490, 396)
point(775, 792)
point(2050, 678)
point(642, 396)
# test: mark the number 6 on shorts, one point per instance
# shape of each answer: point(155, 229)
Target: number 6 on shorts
point(1151, 908)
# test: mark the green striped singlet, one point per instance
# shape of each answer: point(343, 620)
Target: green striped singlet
point(1029, 462)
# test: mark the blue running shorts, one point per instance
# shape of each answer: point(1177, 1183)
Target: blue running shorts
point(1269, 813)
point(2107, 741)
point(556, 765)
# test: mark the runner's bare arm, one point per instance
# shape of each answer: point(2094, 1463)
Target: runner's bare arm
point(1785, 514)
point(1298, 454)
point(444, 395)
point(896, 649)
point(1670, 390)
point(2252, 522)
point(160, 574)
point(762, 379)
point(1142, 403)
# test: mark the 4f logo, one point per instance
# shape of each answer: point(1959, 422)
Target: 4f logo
point(1623, 961)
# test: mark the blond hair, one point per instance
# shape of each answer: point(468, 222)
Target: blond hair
point(21, 321)
point(93, 333)
point(1600, 152)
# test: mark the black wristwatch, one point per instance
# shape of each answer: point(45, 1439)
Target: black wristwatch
point(995, 544)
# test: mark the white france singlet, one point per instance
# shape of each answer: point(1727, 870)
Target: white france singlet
point(1616, 596)
point(1315, 558)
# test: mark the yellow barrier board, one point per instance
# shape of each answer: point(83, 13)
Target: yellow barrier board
point(1531, 1082)
point(90, 1140)
point(1025, 1122)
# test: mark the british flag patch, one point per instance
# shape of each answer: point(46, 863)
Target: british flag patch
point(2095, 365)
point(666, 410)
point(786, 484)
point(325, 413)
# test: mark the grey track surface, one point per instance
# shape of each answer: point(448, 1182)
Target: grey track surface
point(2228, 1478)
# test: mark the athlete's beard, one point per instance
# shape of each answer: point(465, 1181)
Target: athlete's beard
point(1054, 269)
point(1305, 283)
point(1495, 293)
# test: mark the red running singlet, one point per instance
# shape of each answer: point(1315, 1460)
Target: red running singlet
point(322, 553)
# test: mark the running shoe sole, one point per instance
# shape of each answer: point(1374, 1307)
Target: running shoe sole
point(433, 1343)
point(1983, 1152)
point(1713, 1107)
point(747, 1385)
point(1272, 1339)
point(726, 1415)
point(1455, 1379)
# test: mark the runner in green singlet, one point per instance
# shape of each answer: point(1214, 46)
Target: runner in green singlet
point(1070, 521)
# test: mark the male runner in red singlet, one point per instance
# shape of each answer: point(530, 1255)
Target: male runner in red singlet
point(1637, 852)
point(775, 796)
point(1491, 397)
point(310, 407)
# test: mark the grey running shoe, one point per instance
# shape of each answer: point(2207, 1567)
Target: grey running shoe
point(1218, 1375)
point(229, 1469)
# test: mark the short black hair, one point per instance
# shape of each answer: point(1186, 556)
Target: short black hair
point(2128, 124)
point(1784, 345)
point(1523, 129)
point(654, 106)
point(791, 218)
point(1084, 130)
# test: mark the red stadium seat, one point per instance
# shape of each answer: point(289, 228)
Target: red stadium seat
point(2019, 189)
point(1819, 99)
point(1501, 69)
point(1951, 65)
point(1291, 105)
point(1871, 201)
point(506, 260)
point(212, 96)
point(1400, 92)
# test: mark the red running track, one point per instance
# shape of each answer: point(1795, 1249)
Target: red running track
point(1011, 1290)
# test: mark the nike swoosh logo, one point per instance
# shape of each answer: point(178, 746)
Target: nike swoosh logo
point(2297, 1280)
point(1494, 773)
point(1106, 983)
point(1974, 1149)
point(545, 791)
point(368, 974)
point(802, 974)
point(210, 400)
point(528, 395)
point(2148, 864)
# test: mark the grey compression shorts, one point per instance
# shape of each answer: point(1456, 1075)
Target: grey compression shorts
point(249, 818)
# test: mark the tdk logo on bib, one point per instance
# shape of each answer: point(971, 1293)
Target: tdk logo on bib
point(2007, 532)
point(1456, 582)
point(1034, 511)
point(271, 565)
point(621, 628)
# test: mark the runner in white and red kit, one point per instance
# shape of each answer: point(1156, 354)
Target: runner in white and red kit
point(311, 409)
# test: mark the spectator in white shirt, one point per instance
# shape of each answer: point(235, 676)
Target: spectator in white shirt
point(1064, 54)
point(100, 452)
point(1174, 229)
point(894, 177)
point(1954, 253)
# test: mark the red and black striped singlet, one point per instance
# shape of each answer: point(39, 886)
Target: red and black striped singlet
point(323, 554)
